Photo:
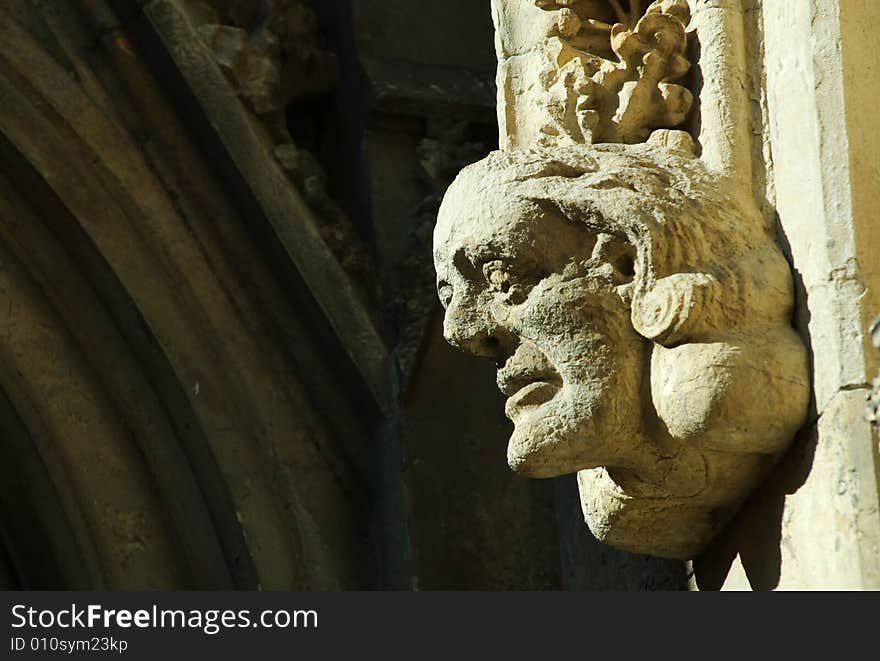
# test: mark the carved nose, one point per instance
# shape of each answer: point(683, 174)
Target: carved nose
point(472, 331)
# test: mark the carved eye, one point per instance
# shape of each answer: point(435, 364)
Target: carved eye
point(445, 292)
point(497, 276)
point(500, 279)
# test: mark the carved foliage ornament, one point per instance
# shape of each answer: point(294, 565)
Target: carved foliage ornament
point(610, 70)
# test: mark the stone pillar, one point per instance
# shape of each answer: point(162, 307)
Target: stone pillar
point(815, 523)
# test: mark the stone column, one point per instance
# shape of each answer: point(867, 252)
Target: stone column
point(815, 523)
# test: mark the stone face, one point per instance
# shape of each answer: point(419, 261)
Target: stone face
point(639, 318)
point(633, 297)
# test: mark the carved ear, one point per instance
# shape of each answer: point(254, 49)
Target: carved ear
point(676, 308)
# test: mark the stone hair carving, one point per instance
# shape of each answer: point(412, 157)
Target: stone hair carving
point(610, 71)
point(640, 321)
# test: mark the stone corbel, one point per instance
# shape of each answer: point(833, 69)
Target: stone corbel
point(613, 262)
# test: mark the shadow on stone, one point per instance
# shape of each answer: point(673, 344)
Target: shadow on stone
point(755, 533)
point(587, 564)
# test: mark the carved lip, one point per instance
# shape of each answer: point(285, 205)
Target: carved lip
point(527, 377)
point(533, 394)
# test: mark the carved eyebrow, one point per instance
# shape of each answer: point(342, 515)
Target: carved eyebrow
point(590, 220)
point(516, 251)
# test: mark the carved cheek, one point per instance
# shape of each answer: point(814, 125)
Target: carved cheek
point(505, 315)
point(582, 327)
point(565, 307)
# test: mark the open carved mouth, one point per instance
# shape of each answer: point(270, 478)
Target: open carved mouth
point(529, 397)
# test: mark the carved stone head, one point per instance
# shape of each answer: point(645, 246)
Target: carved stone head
point(640, 322)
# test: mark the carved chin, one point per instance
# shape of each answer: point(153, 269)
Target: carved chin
point(668, 528)
point(559, 431)
point(529, 459)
